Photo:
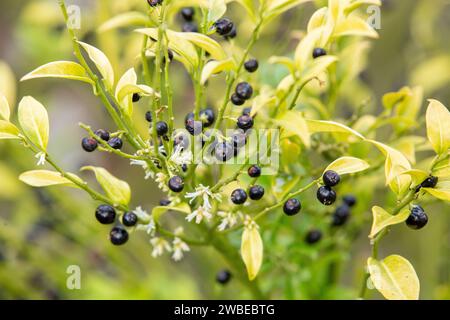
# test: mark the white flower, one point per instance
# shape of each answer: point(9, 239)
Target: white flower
point(199, 214)
point(161, 179)
point(181, 157)
point(159, 246)
point(150, 227)
point(148, 173)
point(205, 193)
point(41, 158)
point(228, 220)
point(249, 223)
point(179, 247)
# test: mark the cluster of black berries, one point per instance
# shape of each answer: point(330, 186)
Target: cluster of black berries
point(226, 28)
point(342, 213)
point(325, 194)
point(106, 214)
point(243, 92)
point(188, 15)
point(207, 118)
point(255, 192)
point(91, 144)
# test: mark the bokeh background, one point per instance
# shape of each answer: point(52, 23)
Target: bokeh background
point(44, 231)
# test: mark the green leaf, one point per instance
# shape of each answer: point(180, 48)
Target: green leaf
point(216, 9)
point(102, 63)
point(8, 83)
point(33, 119)
point(129, 78)
point(127, 19)
point(441, 191)
point(294, 123)
point(354, 26)
point(59, 69)
point(318, 19)
point(5, 111)
point(8, 131)
point(214, 67)
point(315, 67)
point(330, 126)
point(208, 44)
point(395, 278)
point(44, 178)
point(277, 7)
point(303, 52)
point(117, 190)
point(252, 251)
point(438, 128)
point(347, 165)
point(358, 3)
point(158, 211)
point(383, 219)
point(417, 176)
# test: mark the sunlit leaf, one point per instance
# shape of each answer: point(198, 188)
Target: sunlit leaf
point(44, 178)
point(358, 3)
point(295, 124)
point(5, 111)
point(318, 19)
point(127, 19)
point(441, 191)
point(208, 44)
point(252, 251)
point(214, 67)
point(383, 219)
point(101, 61)
point(347, 165)
point(33, 119)
point(315, 67)
point(354, 26)
point(8, 130)
point(438, 128)
point(216, 9)
point(59, 69)
point(330, 126)
point(8, 83)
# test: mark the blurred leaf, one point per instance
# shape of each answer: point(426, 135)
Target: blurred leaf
point(358, 3)
point(395, 278)
point(438, 126)
point(316, 67)
point(383, 219)
point(431, 70)
point(441, 191)
point(5, 111)
point(214, 67)
point(102, 63)
point(8, 83)
point(277, 7)
point(44, 178)
point(117, 190)
point(216, 9)
point(127, 19)
point(304, 50)
point(33, 119)
point(59, 69)
point(8, 130)
point(252, 251)
point(318, 19)
point(354, 26)
point(347, 165)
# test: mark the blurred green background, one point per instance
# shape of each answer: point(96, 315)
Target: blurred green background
point(42, 232)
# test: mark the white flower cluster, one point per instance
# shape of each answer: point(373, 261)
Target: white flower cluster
point(203, 211)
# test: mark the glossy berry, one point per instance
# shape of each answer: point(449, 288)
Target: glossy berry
point(116, 143)
point(318, 52)
point(207, 116)
point(164, 202)
point(245, 122)
point(232, 34)
point(223, 26)
point(154, 3)
point(136, 97)
point(224, 151)
point(129, 219)
point(105, 214)
point(429, 182)
point(148, 116)
point(244, 90)
point(340, 215)
point(313, 236)
point(162, 128)
point(292, 207)
point(188, 13)
point(89, 144)
point(239, 196)
point(176, 184)
point(239, 139)
point(417, 218)
point(256, 192)
point(189, 27)
point(326, 195)
point(247, 111)
point(254, 171)
point(193, 127)
point(349, 200)
point(103, 134)
point(118, 236)
point(223, 277)
point(331, 178)
point(236, 100)
point(251, 65)
point(184, 167)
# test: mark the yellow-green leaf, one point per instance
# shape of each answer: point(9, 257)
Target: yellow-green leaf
point(294, 123)
point(117, 190)
point(131, 18)
point(252, 251)
point(330, 126)
point(441, 191)
point(417, 176)
point(318, 19)
point(216, 9)
point(5, 111)
point(358, 3)
point(59, 69)
point(354, 26)
point(315, 67)
point(130, 89)
point(394, 277)
point(8, 83)
point(208, 44)
point(214, 67)
point(383, 219)
point(44, 178)
point(33, 119)
point(158, 211)
point(347, 165)
point(101, 61)
point(303, 52)
point(8, 131)
point(438, 128)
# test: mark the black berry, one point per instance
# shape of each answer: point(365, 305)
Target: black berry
point(251, 65)
point(239, 196)
point(189, 27)
point(340, 215)
point(223, 26)
point(118, 236)
point(193, 127)
point(245, 122)
point(223, 277)
point(244, 90)
point(292, 207)
point(129, 219)
point(236, 100)
point(326, 195)
point(154, 3)
point(429, 182)
point(184, 167)
point(224, 151)
point(417, 218)
point(116, 143)
point(188, 13)
point(162, 128)
point(331, 178)
point(164, 202)
point(105, 214)
point(254, 171)
point(349, 200)
point(239, 139)
point(148, 116)
point(256, 192)
point(318, 52)
point(313, 236)
point(232, 34)
point(103, 134)
point(176, 184)
point(207, 116)
point(136, 97)
point(89, 144)
point(247, 111)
